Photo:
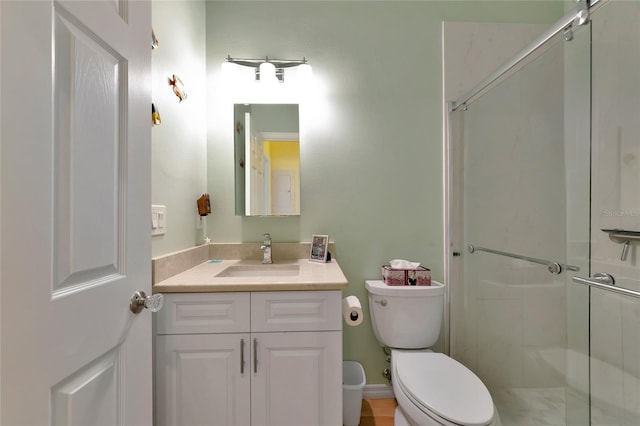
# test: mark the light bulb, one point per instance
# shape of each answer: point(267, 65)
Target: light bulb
point(304, 72)
point(267, 72)
point(228, 70)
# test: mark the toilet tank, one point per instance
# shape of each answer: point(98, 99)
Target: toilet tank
point(406, 317)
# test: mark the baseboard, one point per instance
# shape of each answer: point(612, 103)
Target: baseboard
point(377, 391)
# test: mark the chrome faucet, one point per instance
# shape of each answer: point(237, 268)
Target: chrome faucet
point(266, 248)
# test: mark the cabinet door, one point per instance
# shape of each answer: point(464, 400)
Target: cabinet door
point(296, 379)
point(200, 380)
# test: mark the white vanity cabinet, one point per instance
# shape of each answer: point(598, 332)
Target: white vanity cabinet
point(249, 358)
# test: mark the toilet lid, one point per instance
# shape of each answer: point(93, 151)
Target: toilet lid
point(444, 387)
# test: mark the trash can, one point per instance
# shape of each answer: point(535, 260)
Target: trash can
point(353, 381)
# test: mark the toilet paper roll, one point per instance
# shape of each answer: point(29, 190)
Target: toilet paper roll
point(352, 310)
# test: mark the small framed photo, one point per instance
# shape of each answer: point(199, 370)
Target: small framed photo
point(319, 248)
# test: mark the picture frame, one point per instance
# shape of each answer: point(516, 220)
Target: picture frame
point(319, 248)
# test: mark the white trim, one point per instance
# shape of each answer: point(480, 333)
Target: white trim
point(378, 391)
point(1, 290)
point(447, 171)
point(281, 136)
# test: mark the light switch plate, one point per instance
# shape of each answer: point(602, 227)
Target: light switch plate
point(158, 220)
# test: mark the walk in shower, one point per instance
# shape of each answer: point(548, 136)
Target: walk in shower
point(544, 186)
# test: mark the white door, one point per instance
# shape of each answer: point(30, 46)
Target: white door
point(283, 192)
point(75, 196)
point(266, 185)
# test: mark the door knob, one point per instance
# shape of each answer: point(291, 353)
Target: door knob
point(140, 300)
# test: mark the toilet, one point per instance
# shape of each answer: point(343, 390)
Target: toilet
point(431, 388)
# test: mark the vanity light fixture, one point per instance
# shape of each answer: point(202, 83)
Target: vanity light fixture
point(269, 70)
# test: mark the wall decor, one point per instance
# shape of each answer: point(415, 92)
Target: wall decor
point(178, 87)
point(154, 40)
point(155, 115)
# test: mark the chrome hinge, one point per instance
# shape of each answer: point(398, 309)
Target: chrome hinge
point(581, 18)
point(582, 13)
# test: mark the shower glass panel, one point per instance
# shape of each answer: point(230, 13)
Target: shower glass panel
point(615, 319)
point(524, 152)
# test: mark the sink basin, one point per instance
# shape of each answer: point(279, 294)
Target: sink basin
point(260, 271)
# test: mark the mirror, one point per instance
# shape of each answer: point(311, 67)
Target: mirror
point(267, 159)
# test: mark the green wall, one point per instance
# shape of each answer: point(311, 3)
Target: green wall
point(179, 144)
point(371, 133)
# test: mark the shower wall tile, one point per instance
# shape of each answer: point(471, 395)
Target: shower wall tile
point(615, 361)
point(606, 391)
point(528, 318)
point(515, 155)
point(500, 367)
point(496, 322)
point(606, 327)
point(615, 118)
point(631, 338)
point(543, 315)
point(631, 360)
point(469, 357)
point(615, 129)
point(500, 342)
point(473, 50)
point(606, 351)
point(577, 363)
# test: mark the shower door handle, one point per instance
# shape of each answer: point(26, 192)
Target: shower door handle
point(598, 280)
point(605, 281)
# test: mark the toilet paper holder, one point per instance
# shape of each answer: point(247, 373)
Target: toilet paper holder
point(352, 311)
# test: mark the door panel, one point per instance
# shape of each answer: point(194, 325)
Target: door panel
point(615, 319)
point(283, 192)
point(200, 380)
point(295, 381)
point(88, 157)
point(75, 191)
point(70, 397)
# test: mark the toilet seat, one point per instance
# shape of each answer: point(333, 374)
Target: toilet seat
point(443, 388)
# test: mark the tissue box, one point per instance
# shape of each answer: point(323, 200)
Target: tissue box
point(418, 276)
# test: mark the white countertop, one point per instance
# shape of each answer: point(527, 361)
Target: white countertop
point(202, 278)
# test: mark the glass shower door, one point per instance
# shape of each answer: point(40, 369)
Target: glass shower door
point(520, 325)
point(615, 318)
